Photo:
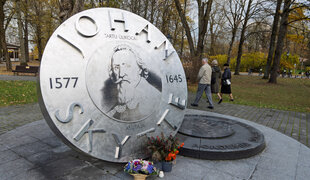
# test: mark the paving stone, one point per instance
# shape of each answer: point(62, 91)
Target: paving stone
point(303, 160)
point(303, 172)
point(284, 165)
point(267, 114)
point(60, 162)
point(109, 167)
point(88, 172)
point(30, 149)
point(31, 174)
point(289, 123)
point(45, 157)
point(43, 132)
point(308, 129)
point(268, 174)
point(3, 148)
point(11, 141)
point(289, 151)
point(268, 118)
point(18, 115)
point(303, 140)
point(240, 111)
point(246, 110)
point(123, 175)
point(8, 155)
point(251, 112)
point(231, 111)
point(184, 171)
point(278, 120)
point(61, 149)
point(303, 128)
point(255, 114)
point(61, 167)
point(17, 78)
point(239, 168)
point(14, 168)
point(206, 164)
point(113, 177)
point(273, 119)
point(295, 127)
point(259, 115)
point(53, 141)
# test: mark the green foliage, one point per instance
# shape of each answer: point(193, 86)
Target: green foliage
point(254, 61)
point(17, 92)
point(95, 4)
point(287, 62)
point(221, 59)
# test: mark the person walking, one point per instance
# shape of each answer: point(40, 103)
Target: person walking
point(226, 83)
point(204, 78)
point(215, 78)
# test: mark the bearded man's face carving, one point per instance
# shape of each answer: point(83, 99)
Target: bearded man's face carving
point(126, 74)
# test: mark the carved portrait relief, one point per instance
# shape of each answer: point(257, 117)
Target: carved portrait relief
point(130, 89)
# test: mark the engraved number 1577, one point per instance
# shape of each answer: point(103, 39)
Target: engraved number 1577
point(63, 82)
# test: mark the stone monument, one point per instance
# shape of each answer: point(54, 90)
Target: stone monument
point(215, 137)
point(108, 79)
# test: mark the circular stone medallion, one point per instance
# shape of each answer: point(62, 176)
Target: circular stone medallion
point(109, 79)
point(228, 139)
point(206, 128)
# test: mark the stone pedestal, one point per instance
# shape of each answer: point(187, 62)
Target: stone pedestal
point(217, 138)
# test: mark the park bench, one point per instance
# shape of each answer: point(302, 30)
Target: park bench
point(26, 69)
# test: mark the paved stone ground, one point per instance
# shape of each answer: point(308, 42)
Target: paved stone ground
point(15, 116)
point(17, 78)
point(33, 152)
point(293, 124)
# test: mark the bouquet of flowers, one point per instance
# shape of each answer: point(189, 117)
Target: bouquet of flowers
point(164, 149)
point(139, 166)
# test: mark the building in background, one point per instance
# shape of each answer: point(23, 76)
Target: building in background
point(13, 51)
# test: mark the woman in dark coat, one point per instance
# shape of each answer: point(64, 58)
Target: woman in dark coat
point(226, 79)
point(215, 78)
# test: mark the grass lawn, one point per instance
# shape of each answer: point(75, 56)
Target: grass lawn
point(288, 94)
point(17, 92)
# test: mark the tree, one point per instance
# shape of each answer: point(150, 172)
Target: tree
point(272, 39)
point(289, 7)
point(37, 24)
point(69, 8)
point(2, 37)
point(22, 58)
point(26, 31)
point(204, 9)
point(234, 17)
point(280, 42)
point(248, 14)
point(216, 25)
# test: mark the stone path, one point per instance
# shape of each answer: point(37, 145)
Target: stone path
point(33, 152)
point(29, 150)
point(17, 78)
point(15, 116)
